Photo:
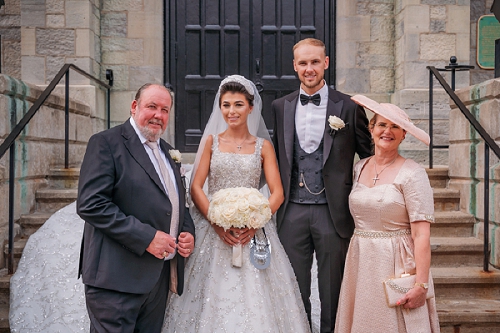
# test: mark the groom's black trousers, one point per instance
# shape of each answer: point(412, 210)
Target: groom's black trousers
point(307, 230)
point(112, 311)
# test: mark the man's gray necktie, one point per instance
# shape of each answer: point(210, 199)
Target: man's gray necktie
point(174, 200)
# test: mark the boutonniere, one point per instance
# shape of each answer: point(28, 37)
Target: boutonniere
point(176, 155)
point(185, 185)
point(335, 124)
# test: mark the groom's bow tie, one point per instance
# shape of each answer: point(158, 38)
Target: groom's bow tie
point(315, 99)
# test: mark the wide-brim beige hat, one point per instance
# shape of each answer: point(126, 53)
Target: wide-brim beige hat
point(394, 114)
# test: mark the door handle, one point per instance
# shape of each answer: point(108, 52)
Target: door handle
point(257, 66)
point(259, 86)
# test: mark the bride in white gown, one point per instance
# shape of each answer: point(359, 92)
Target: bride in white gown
point(46, 295)
point(217, 296)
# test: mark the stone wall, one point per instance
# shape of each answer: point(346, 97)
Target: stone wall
point(10, 32)
point(55, 32)
point(466, 168)
point(132, 46)
point(40, 146)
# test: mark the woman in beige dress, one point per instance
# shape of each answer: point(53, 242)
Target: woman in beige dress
point(392, 205)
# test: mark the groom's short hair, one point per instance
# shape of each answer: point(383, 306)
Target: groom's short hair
point(310, 41)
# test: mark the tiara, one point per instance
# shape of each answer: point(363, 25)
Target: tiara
point(241, 80)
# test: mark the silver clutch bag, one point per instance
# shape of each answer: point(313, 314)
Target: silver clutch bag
point(260, 250)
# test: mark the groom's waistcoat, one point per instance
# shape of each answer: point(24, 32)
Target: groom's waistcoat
point(306, 171)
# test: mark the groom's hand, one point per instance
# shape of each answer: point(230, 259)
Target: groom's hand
point(162, 245)
point(185, 244)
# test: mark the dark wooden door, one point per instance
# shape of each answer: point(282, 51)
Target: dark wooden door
point(210, 39)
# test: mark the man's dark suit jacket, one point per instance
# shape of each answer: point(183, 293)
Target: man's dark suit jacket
point(123, 202)
point(338, 152)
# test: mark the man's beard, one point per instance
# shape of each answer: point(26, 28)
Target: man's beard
point(314, 84)
point(150, 134)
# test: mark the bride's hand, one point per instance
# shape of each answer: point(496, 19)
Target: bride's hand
point(226, 236)
point(246, 235)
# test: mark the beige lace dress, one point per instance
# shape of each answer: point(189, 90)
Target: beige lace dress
point(382, 248)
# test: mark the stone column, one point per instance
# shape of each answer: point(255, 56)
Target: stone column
point(466, 167)
point(428, 33)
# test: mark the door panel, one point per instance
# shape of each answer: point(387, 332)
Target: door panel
point(210, 39)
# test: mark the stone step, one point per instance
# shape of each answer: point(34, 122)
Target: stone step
point(32, 222)
point(456, 252)
point(466, 283)
point(452, 224)
point(438, 176)
point(5, 289)
point(4, 318)
point(51, 200)
point(17, 251)
point(469, 315)
point(64, 178)
point(446, 199)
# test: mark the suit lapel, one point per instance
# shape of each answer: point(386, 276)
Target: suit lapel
point(289, 124)
point(137, 151)
point(334, 108)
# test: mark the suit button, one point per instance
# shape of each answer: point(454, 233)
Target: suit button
point(316, 172)
point(168, 214)
point(301, 200)
point(301, 157)
point(316, 200)
point(317, 158)
point(316, 186)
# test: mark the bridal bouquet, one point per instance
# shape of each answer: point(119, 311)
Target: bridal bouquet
point(239, 207)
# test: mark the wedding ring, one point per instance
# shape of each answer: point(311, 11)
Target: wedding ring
point(165, 254)
point(189, 250)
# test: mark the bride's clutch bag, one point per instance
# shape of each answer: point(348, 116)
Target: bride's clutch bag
point(260, 250)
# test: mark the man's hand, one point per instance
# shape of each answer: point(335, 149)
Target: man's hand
point(162, 245)
point(185, 244)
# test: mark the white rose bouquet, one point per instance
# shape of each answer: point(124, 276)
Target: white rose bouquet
point(239, 207)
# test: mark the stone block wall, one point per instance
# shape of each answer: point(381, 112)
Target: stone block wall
point(10, 32)
point(55, 32)
point(365, 48)
point(467, 160)
point(40, 146)
point(132, 46)
point(428, 33)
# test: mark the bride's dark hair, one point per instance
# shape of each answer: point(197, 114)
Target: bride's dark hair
point(235, 87)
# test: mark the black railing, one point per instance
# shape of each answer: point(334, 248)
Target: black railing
point(489, 143)
point(9, 141)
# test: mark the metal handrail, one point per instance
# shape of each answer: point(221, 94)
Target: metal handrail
point(9, 141)
point(489, 144)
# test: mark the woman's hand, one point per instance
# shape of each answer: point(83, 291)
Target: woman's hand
point(244, 235)
point(235, 236)
point(414, 298)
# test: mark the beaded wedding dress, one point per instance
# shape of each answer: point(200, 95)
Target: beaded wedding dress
point(45, 293)
point(220, 298)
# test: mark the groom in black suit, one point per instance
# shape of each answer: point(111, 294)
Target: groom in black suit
point(125, 196)
point(316, 163)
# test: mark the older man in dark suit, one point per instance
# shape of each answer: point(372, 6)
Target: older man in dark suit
point(317, 132)
point(137, 227)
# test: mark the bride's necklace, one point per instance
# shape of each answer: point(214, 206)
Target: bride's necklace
point(378, 173)
point(238, 146)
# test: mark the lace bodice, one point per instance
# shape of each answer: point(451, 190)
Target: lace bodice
point(223, 165)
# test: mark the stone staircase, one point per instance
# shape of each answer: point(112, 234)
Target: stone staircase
point(468, 299)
